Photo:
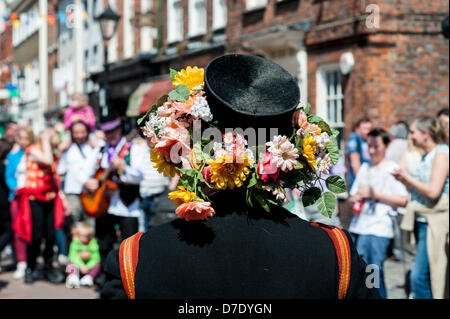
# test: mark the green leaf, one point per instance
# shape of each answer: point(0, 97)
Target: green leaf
point(334, 133)
point(253, 180)
point(333, 150)
point(336, 184)
point(324, 127)
point(142, 119)
point(262, 201)
point(152, 109)
point(299, 165)
point(307, 108)
point(313, 119)
point(326, 204)
point(173, 73)
point(310, 196)
point(292, 178)
point(248, 197)
point(199, 154)
point(180, 93)
point(162, 100)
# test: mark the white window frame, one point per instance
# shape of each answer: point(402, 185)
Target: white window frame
point(128, 30)
point(146, 32)
point(255, 4)
point(220, 14)
point(322, 97)
point(175, 27)
point(197, 17)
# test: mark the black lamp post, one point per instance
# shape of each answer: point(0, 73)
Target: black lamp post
point(108, 25)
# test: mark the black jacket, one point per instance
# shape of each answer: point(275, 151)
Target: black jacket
point(238, 253)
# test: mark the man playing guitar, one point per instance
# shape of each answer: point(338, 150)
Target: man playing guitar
point(119, 159)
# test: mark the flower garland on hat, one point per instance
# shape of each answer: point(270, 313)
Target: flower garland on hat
point(295, 162)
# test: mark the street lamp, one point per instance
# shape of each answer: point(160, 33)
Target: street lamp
point(108, 25)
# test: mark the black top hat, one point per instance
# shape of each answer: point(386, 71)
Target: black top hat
point(250, 91)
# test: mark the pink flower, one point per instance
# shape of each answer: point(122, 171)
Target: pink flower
point(206, 172)
point(299, 118)
point(173, 137)
point(268, 168)
point(195, 211)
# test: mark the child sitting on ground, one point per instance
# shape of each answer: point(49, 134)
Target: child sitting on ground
point(84, 257)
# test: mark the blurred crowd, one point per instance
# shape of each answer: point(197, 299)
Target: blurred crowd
point(53, 185)
point(44, 176)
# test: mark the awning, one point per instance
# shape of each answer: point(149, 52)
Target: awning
point(146, 95)
point(135, 99)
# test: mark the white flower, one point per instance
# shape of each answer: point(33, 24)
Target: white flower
point(250, 155)
point(284, 153)
point(322, 141)
point(155, 124)
point(268, 188)
point(276, 143)
point(325, 165)
point(201, 109)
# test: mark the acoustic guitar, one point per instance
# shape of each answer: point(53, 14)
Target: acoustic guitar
point(96, 203)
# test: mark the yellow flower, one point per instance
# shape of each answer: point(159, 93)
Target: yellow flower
point(182, 196)
point(191, 77)
point(167, 169)
point(227, 172)
point(309, 146)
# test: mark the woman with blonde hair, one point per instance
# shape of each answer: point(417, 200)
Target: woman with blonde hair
point(427, 213)
point(15, 179)
point(40, 206)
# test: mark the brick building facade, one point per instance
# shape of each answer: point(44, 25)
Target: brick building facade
point(401, 63)
point(400, 55)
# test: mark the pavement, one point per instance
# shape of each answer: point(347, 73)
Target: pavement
point(11, 288)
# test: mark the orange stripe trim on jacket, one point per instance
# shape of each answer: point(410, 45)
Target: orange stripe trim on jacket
point(128, 259)
point(342, 248)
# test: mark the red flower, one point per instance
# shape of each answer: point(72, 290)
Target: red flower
point(267, 168)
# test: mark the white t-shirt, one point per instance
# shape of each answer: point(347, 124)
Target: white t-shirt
point(73, 164)
point(376, 217)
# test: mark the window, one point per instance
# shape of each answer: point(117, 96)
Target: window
point(219, 14)
point(255, 4)
point(197, 17)
point(128, 32)
point(175, 28)
point(330, 98)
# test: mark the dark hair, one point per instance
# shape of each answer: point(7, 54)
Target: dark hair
point(79, 122)
point(381, 133)
point(443, 111)
point(361, 120)
point(9, 123)
point(5, 147)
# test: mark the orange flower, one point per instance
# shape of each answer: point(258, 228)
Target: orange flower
point(314, 129)
point(195, 211)
point(301, 120)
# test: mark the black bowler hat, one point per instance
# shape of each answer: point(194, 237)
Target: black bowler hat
point(250, 91)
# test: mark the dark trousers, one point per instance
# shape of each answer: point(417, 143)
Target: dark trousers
point(6, 233)
point(105, 232)
point(43, 227)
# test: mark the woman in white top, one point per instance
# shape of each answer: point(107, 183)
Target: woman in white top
point(429, 184)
